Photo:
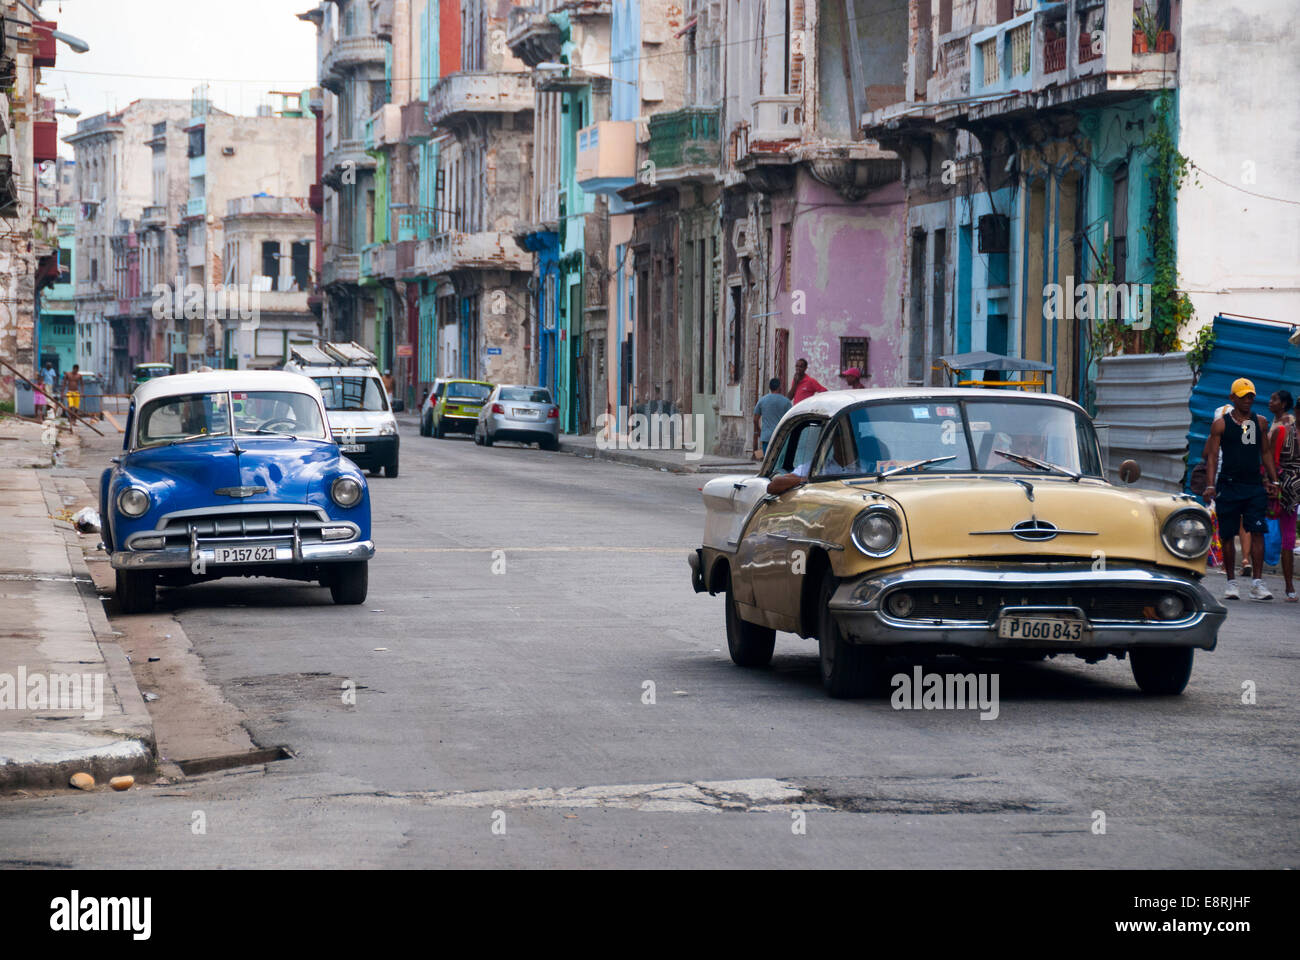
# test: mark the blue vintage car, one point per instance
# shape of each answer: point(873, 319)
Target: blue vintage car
point(233, 473)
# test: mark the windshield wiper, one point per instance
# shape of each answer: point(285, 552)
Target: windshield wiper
point(272, 433)
point(196, 436)
point(904, 467)
point(1028, 461)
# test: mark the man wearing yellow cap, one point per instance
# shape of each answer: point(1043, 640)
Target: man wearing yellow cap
point(1241, 493)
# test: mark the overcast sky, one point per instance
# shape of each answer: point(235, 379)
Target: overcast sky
point(164, 48)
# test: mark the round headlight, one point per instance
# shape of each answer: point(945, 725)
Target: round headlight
point(133, 502)
point(346, 492)
point(1169, 607)
point(901, 605)
point(876, 531)
point(1187, 534)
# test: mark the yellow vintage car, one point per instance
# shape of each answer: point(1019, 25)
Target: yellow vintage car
point(966, 521)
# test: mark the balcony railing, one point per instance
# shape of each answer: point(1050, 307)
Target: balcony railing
point(776, 118)
point(349, 53)
point(464, 94)
point(684, 138)
point(154, 214)
point(415, 122)
point(445, 252)
point(196, 206)
point(278, 206)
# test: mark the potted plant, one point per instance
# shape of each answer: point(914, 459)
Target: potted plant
point(1146, 29)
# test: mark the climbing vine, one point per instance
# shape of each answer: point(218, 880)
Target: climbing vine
point(1171, 308)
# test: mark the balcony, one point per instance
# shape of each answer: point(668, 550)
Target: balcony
point(45, 140)
point(46, 52)
point(350, 53)
point(532, 35)
point(198, 166)
point(196, 206)
point(685, 143)
point(415, 122)
point(462, 95)
point(346, 154)
point(447, 252)
point(154, 216)
point(267, 207)
point(379, 261)
point(340, 268)
point(606, 156)
point(384, 128)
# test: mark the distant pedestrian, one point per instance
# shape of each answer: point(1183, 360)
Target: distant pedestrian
point(72, 387)
point(38, 394)
point(769, 410)
point(803, 385)
point(1240, 496)
point(1284, 441)
point(852, 378)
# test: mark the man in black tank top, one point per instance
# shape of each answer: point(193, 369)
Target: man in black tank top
point(1240, 493)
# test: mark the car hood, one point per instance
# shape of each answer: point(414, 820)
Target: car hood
point(959, 518)
point(290, 470)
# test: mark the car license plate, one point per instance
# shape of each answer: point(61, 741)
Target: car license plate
point(243, 554)
point(524, 414)
point(352, 447)
point(1040, 628)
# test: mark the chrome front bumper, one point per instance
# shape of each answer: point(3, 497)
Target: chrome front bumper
point(859, 607)
point(202, 555)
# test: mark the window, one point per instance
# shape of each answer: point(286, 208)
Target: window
point(853, 353)
point(271, 262)
point(1119, 223)
point(301, 254)
point(737, 334)
point(796, 448)
point(352, 393)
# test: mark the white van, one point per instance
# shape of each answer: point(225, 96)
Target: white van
point(360, 414)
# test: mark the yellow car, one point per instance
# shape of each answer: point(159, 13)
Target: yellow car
point(952, 520)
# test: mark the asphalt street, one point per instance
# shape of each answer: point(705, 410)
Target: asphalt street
point(520, 602)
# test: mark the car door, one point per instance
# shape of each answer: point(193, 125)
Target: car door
point(765, 555)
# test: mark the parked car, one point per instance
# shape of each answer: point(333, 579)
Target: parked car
point(456, 408)
point(233, 474)
point(427, 406)
point(360, 416)
point(144, 372)
point(521, 413)
point(959, 521)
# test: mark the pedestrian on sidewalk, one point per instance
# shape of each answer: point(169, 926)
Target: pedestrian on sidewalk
point(1284, 441)
point(72, 387)
point(1240, 496)
point(803, 385)
point(852, 378)
point(38, 394)
point(769, 410)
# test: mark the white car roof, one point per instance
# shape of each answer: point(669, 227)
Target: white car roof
point(237, 380)
point(831, 402)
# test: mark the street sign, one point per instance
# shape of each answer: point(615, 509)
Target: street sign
point(406, 350)
point(494, 351)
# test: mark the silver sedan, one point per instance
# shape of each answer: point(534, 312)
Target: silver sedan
point(522, 413)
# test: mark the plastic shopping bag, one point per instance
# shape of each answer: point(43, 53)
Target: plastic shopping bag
point(1272, 543)
point(1216, 546)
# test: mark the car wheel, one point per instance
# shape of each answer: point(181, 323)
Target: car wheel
point(424, 426)
point(478, 437)
point(487, 438)
point(350, 582)
point(550, 443)
point(390, 469)
point(437, 430)
point(749, 644)
point(1162, 672)
point(136, 591)
point(846, 668)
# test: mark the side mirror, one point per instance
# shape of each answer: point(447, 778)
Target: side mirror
point(1130, 472)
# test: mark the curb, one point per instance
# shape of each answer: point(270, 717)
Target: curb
point(126, 747)
point(639, 458)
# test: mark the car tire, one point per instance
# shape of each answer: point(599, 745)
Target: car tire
point(438, 432)
point(1162, 672)
point(425, 430)
point(749, 644)
point(350, 582)
point(550, 443)
point(487, 438)
point(846, 668)
point(136, 591)
point(390, 469)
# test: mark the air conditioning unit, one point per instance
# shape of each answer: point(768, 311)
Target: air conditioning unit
point(227, 151)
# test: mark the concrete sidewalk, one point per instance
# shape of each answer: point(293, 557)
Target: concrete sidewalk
point(674, 461)
point(68, 700)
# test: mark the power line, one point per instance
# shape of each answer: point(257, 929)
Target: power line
point(1261, 196)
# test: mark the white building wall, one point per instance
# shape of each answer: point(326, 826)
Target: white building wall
point(1239, 121)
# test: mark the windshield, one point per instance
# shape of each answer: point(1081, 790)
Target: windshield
point(526, 394)
point(267, 412)
point(960, 436)
point(352, 393)
point(187, 416)
point(468, 391)
point(149, 372)
point(196, 416)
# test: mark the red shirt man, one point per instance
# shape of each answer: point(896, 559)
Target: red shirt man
point(803, 386)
